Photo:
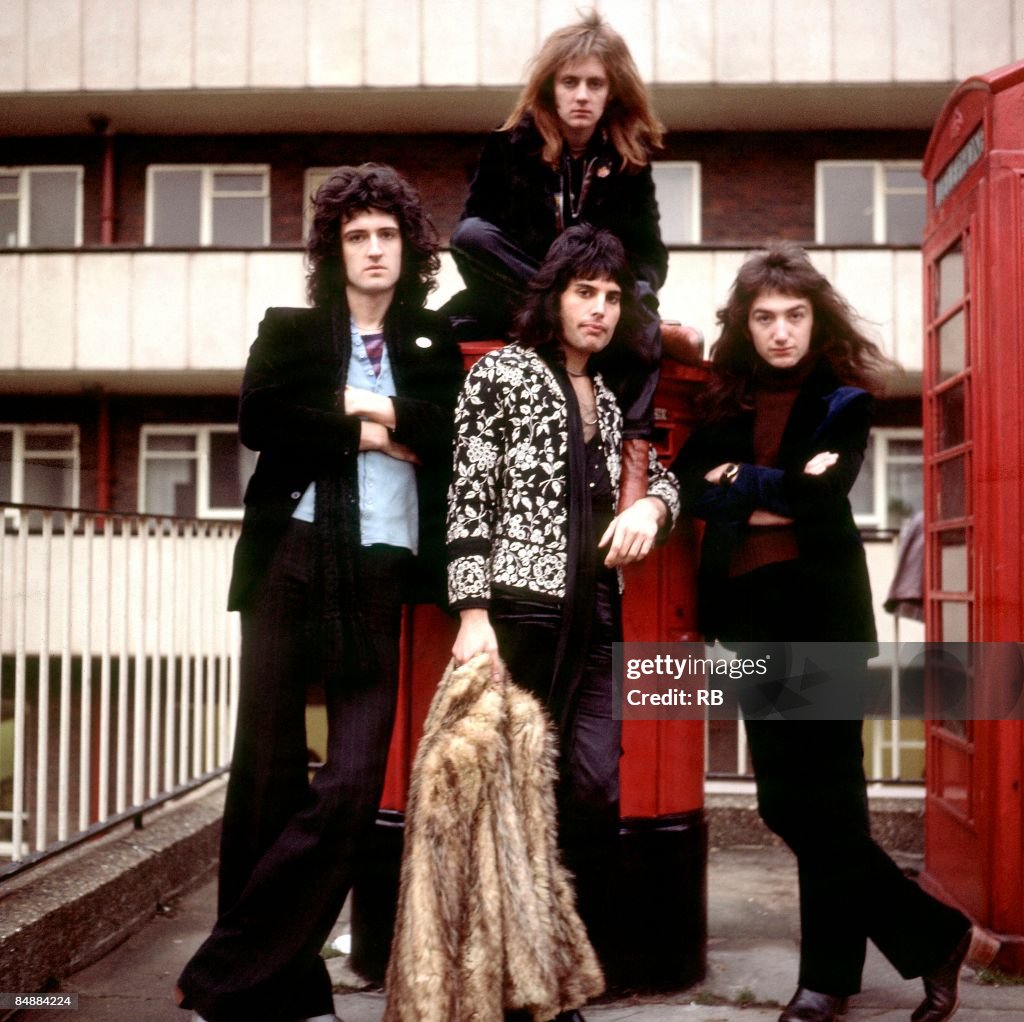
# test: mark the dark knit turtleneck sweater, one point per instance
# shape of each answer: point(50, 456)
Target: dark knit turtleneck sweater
point(775, 390)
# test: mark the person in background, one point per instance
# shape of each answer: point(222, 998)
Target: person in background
point(785, 424)
point(576, 149)
point(350, 405)
point(534, 541)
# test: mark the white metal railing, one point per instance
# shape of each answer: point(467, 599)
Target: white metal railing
point(119, 668)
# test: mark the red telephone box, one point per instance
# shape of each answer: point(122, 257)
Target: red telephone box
point(661, 936)
point(974, 486)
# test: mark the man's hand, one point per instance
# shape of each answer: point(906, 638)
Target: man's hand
point(375, 437)
point(714, 476)
point(820, 462)
point(476, 635)
point(631, 534)
point(367, 405)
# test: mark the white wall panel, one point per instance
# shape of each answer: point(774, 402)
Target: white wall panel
point(335, 41)
point(908, 316)
point(160, 311)
point(103, 322)
point(553, 14)
point(12, 46)
point(865, 279)
point(277, 42)
point(271, 278)
point(109, 44)
point(982, 36)
point(450, 42)
point(743, 41)
point(683, 41)
point(802, 41)
point(506, 43)
point(922, 40)
point(222, 43)
point(10, 302)
point(863, 41)
point(47, 312)
point(217, 321)
point(634, 21)
point(393, 36)
point(54, 31)
point(166, 36)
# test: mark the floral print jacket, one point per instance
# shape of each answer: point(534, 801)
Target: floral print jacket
point(509, 514)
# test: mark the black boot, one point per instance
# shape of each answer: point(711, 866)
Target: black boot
point(811, 1006)
point(942, 986)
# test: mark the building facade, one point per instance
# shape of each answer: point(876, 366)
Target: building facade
point(158, 155)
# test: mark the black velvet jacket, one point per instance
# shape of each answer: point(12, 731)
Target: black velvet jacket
point(825, 417)
point(514, 189)
point(288, 411)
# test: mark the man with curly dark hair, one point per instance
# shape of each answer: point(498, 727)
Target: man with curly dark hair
point(350, 406)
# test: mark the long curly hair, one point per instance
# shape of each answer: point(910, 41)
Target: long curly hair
point(579, 253)
point(353, 190)
point(629, 117)
point(785, 268)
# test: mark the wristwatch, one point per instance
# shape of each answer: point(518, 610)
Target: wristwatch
point(729, 474)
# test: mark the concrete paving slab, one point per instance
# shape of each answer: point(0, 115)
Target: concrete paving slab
point(752, 962)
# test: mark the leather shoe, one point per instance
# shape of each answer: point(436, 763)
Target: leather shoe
point(811, 1006)
point(942, 986)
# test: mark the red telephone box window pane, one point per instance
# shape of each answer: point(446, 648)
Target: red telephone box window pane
point(951, 432)
point(952, 495)
point(951, 280)
point(953, 561)
point(955, 625)
point(952, 346)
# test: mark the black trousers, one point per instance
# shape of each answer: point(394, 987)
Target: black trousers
point(290, 846)
point(590, 741)
point(811, 791)
point(496, 271)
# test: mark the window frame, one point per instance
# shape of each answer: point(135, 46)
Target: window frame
point(201, 455)
point(208, 172)
point(21, 431)
point(24, 199)
point(879, 226)
point(879, 440)
point(696, 209)
point(310, 176)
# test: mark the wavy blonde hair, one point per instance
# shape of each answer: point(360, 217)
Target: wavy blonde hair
point(630, 120)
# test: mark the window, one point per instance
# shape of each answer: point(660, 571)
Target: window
point(314, 178)
point(869, 203)
point(189, 207)
point(39, 465)
point(890, 487)
point(40, 206)
point(193, 471)
point(678, 190)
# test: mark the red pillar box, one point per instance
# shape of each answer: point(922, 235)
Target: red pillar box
point(664, 834)
point(974, 488)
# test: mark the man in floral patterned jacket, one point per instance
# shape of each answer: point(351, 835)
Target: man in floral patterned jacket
point(534, 543)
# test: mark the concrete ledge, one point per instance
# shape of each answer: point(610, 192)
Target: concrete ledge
point(897, 823)
point(60, 917)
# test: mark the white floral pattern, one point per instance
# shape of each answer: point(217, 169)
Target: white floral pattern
point(508, 505)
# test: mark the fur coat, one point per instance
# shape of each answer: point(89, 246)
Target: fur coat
point(486, 912)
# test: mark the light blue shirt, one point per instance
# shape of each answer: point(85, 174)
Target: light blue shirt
point(388, 509)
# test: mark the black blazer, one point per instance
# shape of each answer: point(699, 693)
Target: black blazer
point(514, 189)
point(288, 412)
point(825, 417)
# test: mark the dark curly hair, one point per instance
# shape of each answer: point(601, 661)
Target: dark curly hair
point(582, 253)
point(353, 190)
point(785, 268)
